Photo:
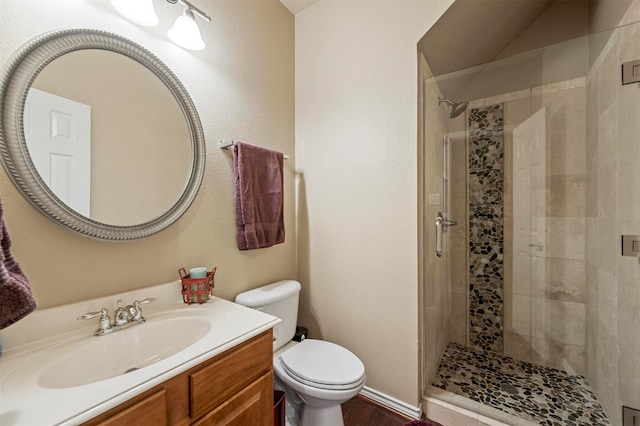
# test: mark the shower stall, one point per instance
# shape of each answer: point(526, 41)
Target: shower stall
point(530, 167)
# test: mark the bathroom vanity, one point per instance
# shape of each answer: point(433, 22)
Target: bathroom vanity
point(187, 364)
point(233, 388)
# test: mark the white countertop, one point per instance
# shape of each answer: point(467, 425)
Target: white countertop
point(26, 403)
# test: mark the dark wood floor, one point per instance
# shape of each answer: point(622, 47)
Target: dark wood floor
point(360, 411)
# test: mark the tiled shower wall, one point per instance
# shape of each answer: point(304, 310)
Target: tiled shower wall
point(486, 238)
point(613, 209)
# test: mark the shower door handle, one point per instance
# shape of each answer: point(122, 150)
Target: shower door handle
point(447, 222)
point(441, 223)
point(439, 220)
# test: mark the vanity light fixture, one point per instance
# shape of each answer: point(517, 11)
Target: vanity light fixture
point(185, 32)
point(139, 11)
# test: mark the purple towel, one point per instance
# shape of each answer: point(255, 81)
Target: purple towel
point(16, 299)
point(259, 196)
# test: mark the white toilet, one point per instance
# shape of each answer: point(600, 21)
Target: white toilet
point(317, 375)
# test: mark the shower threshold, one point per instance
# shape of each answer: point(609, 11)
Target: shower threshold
point(535, 393)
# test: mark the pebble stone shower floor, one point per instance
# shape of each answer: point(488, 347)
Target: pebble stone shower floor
point(540, 394)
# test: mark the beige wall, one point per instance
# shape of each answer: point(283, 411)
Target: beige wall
point(356, 121)
point(243, 87)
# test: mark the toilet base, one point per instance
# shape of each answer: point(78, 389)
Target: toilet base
point(312, 416)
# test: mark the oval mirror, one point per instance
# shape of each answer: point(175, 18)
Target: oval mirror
point(99, 135)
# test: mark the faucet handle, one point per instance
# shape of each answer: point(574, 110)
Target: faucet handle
point(89, 315)
point(144, 301)
point(104, 325)
point(138, 310)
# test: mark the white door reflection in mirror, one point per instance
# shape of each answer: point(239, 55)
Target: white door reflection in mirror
point(139, 151)
point(58, 134)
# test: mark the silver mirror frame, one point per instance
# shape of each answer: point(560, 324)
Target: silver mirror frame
point(17, 78)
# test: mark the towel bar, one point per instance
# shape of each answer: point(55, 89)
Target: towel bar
point(227, 144)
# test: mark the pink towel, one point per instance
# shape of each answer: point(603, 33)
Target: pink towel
point(259, 196)
point(16, 299)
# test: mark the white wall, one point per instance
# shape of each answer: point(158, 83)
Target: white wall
point(243, 87)
point(356, 147)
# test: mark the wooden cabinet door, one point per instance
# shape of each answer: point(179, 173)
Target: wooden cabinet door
point(150, 411)
point(252, 406)
point(229, 373)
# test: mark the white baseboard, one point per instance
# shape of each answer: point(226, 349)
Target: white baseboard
point(392, 403)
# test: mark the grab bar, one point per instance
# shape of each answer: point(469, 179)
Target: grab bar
point(440, 223)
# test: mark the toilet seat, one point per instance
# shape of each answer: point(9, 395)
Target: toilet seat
point(323, 365)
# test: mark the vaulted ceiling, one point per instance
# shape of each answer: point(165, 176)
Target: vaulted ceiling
point(535, 36)
point(297, 6)
point(474, 32)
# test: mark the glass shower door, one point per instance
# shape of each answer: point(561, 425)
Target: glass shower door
point(528, 248)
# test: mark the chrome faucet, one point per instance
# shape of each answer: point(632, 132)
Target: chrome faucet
point(120, 316)
point(123, 316)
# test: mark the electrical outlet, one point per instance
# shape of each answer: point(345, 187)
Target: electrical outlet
point(630, 417)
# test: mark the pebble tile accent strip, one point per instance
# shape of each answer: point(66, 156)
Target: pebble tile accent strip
point(536, 393)
point(486, 240)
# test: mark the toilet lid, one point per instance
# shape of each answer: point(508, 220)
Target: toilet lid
point(323, 363)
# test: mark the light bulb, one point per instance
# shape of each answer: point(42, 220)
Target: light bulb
point(139, 11)
point(185, 32)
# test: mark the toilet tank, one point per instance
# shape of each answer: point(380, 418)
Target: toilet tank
point(280, 300)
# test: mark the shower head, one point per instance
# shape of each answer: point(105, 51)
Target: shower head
point(457, 108)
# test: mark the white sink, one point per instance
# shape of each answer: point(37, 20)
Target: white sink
point(89, 359)
point(123, 351)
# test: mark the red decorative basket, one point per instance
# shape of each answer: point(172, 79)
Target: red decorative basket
point(196, 290)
